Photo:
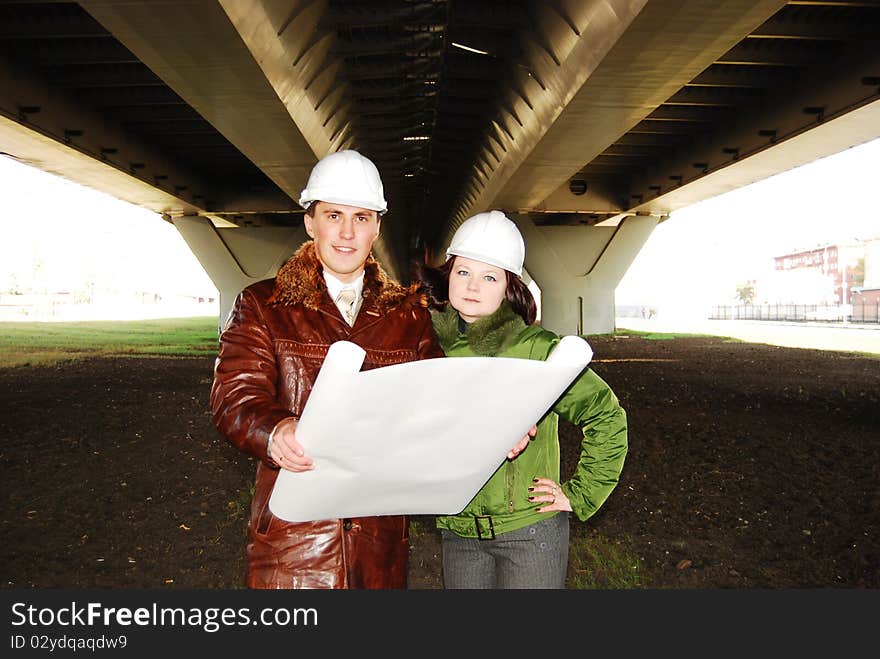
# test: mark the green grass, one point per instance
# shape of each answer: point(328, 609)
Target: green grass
point(46, 344)
point(420, 526)
point(597, 563)
point(667, 336)
point(869, 355)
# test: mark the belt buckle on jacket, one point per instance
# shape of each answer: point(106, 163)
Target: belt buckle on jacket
point(488, 518)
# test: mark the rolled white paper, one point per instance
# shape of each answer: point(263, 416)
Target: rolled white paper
point(415, 438)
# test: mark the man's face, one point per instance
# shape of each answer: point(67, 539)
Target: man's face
point(476, 289)
point(343, 237)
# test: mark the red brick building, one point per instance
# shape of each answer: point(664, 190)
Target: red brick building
point(843, 266)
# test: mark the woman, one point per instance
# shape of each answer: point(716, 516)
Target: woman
point(514, 532)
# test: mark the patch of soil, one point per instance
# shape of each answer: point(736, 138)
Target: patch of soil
point(750, 466)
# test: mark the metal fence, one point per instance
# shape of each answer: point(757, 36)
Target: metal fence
point(866, 312)
point(843, 313)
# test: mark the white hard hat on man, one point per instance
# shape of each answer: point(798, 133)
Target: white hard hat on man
point(492, 238)
point(348, 178)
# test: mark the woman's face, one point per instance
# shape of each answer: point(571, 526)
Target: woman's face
point(476, 289)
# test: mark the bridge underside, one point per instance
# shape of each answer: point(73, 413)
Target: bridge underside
point(566, 114)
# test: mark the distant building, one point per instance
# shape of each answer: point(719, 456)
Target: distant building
point(823, 275)
point(866, 298)
point(872, 263)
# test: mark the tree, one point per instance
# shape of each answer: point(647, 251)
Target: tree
point(855, 274)
point(745, 293)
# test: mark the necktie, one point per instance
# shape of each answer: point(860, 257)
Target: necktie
point(345, 302)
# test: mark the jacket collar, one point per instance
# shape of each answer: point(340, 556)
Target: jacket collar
point(488, 336)
point(301, 281)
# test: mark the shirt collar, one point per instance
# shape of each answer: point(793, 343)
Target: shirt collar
point(334, 285)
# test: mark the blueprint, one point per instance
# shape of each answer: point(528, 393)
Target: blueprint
point(415, 438)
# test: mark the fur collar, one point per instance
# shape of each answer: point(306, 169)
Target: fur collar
point(487, 336)
point(301, 281)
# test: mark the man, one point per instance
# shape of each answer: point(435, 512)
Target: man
point(271, 349)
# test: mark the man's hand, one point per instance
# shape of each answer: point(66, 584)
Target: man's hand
point(521, 444)
point(286, 451)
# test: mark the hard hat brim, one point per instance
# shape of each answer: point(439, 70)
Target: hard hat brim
point(483, 259)
point(308, 198)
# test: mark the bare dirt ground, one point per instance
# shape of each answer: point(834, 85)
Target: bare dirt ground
point(750, 466)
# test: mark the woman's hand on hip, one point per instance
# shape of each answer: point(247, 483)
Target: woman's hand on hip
point(549, 493)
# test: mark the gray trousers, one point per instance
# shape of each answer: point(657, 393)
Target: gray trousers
point(532, 557)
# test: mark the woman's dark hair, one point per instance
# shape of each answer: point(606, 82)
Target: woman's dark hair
point(521, 299)
point(434, 284)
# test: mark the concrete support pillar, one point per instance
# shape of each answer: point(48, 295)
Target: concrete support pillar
point(237, 257)
point(578, 269)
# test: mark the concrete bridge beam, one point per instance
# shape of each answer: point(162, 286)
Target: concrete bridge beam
point(235, 258)
point(578, 268)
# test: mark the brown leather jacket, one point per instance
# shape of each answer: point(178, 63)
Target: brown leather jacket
point(271, 349)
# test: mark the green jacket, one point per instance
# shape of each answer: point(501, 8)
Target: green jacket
point(588, 403)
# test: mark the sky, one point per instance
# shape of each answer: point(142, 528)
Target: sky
point(696, 257)
point(57, 234)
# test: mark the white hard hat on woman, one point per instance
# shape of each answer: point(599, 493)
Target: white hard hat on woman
point(492, 238)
